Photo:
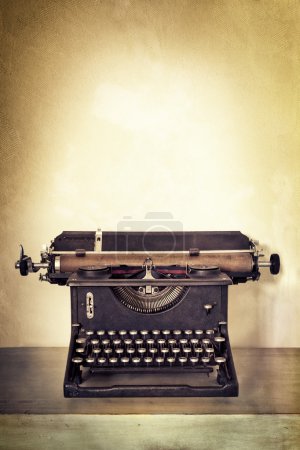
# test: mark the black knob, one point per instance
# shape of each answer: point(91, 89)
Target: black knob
point(23, 266)
point(275, 264)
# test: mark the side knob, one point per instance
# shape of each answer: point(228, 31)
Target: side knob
point(274, 264)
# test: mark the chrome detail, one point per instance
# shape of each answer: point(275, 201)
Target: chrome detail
point(89, 305)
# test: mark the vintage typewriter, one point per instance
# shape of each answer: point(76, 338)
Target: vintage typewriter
point(149, 309)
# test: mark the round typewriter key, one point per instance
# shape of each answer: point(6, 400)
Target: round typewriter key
point(220, 359)
point(188, 332)
point(139, 342)
point(175, 350)
point(144, 333)
point(172, 341)
point(141, 350)
point(219, 339)
point(122, 332)
point(77, 360)
point(94, 341)
point(100, 332)
point(205, 360)
point(111, 333)
point(155, 332)
point(222, 322)
point(195, 341)
point(96, 351)
point(119, 351)
point(206, 341)
point(209, 351)
point(166, 332)
point(117, 341)
point(209, 332)
point(177, 332)
point(152, 350)
point(198, 350)
point(198, 332)
point(159, 360)
point(80, 340)
point(105, 342)
point(183, 342)
point(136, 360)
point(108, 350)
point(187, 350)
point(101, 360)
point(127, 341)
point(90, 360)
point(89, 332)
point(130, 351)
point(161, 341)
point(150, 342)
point(133, 332)
point(80, 350)
point(194, 360)
point(182, 360)
point(125, 360)
point(171, 360)
point(148, 360)
point(113, 360)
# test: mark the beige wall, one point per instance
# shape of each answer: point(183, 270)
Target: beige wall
point(113, 108)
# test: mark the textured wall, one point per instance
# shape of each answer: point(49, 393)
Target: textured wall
point(113, 108)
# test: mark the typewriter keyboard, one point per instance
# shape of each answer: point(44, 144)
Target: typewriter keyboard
point(110, 349)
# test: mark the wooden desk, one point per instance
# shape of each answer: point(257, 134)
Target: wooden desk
point(267, 410)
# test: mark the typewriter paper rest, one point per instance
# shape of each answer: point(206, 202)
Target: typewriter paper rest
point(149, 309)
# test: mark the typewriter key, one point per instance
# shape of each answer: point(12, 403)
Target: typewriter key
point(198, 350)
point(155, 332)
point(194, 360)
point(208, 307)
point(105, 342)
point(187, 350)
point(177, 332)
point(101, 360)
point(133, 333)
point(209, 351)
point(89, 332)
point(136, 360)
point(164, 351)
point(113, 360)
point(209, 332)
point(119, 351)
point(108, 351)
point(80, 350)
point(219, 339)
point(139, 342)
point(182, 360)
point(127, 341)
point(153, 350)
point(183, 342)
point(80, 340)
point(144, 333)
point(141, 350)
point(117, 342)
point(111, 333)
point(122, 332)
point(171, 360)
point(166, 332)
point(161, 341)
point(90, 360)
point(194, 341)
point(172, 342)
point(125, 360)
point(159, 360)
point(198, 332)
point(150, 342)
point(206, 341)
point(220, 359)
point(100, 332)
point(176, 350)
point(94, 342)
point(188, 332)
point(130, 351)
point(77, 360)
point(148, 360)
point(96, 351)
point(205, 360)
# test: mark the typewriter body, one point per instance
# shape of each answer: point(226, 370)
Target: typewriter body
point(149, 309)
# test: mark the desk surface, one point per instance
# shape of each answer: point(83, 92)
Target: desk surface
point(32, 383)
